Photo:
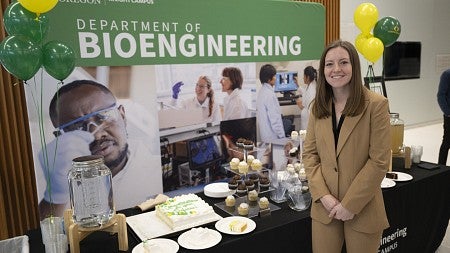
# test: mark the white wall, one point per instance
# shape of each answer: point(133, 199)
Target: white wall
point(421, 20)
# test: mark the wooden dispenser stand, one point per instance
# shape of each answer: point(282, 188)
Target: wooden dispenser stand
point(403, 158)
point(76, 233)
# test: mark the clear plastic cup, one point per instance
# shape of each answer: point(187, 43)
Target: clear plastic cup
point(416, 153)
point(51, 227)
point(58, 245)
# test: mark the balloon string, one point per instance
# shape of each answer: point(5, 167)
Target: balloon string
point(39, 108)
point(37, 98)
point(40, 30)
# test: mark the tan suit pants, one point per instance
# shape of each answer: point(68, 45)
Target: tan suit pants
point(329, 238)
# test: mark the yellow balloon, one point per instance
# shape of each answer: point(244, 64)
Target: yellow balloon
point(38, 6)
point(365, 17)
point(360, 40)
point(373, 49)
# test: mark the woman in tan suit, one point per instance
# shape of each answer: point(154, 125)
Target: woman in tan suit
point(346, 155)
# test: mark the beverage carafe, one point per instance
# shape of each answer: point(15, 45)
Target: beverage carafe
point(91, 194)
point(397, 132)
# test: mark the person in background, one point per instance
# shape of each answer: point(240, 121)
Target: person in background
point(234, 107)
point(268, 109)
point(89, 121)
point(204, 99)
point(443, 99)
point(346, 156)
point(308, 93)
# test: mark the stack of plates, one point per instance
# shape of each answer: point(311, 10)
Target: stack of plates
point(218, 190)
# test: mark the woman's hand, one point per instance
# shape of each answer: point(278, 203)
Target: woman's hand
point(287, 147)
point(231, 148)
point(341, 213)
point(328, 201)
point(176, 88)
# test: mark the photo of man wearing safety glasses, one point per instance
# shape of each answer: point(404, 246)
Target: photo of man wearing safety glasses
point(89, 120)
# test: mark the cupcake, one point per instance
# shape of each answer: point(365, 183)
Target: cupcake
point(293, 152)
point(241, 189)
point(290, 168)
point(255, 179)
point(248, 144)
point(240, 142)
point(263, 203)
point(264, 184)
point(302, 134)
point(232, 184)
point(294, 135)
point(298, 166)
point(250, 159)
point(256, 164)
point(243, 167)
point(302, 174)
point(230, 201)
point(249, 184)
point(237, 177)
point(234, 163)
point(263, 175)
point(252, 195)
point(305, 189)
point(243, 209)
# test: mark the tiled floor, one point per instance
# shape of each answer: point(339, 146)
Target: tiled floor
point(429, 137)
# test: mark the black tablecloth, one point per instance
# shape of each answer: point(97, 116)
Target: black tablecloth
point(418, 212)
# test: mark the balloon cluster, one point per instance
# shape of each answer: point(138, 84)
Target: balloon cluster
point(385, 31)
point(23, 52)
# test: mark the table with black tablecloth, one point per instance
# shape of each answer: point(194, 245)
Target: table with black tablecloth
point(418, 212)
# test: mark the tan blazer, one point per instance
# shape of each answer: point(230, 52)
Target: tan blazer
point(353, 172)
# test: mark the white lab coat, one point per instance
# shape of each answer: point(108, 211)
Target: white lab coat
point(193, 103)
point(268, 115)
point(308, 95)
point(234, 107)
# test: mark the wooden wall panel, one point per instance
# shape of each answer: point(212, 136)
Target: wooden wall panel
point(332, 13)
point(18, 197)
point(18, 200)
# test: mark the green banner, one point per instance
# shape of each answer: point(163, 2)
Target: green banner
point(148, 32)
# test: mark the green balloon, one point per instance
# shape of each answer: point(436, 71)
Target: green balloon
point(20, 56)
point(387, 30)
point(59, 59)
point(20, 21)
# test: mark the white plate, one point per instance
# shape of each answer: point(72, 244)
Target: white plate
point(159, 245)
point(223, 225)
point(401, 177)
point(199, 238)
point(218, 190)
point(387, 183)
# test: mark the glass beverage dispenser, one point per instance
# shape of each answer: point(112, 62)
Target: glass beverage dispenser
point(91, 194)
point(397, 133)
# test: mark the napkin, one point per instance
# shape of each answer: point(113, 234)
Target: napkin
point(150, 203)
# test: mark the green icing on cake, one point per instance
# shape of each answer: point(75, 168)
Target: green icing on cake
point(186, 207)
